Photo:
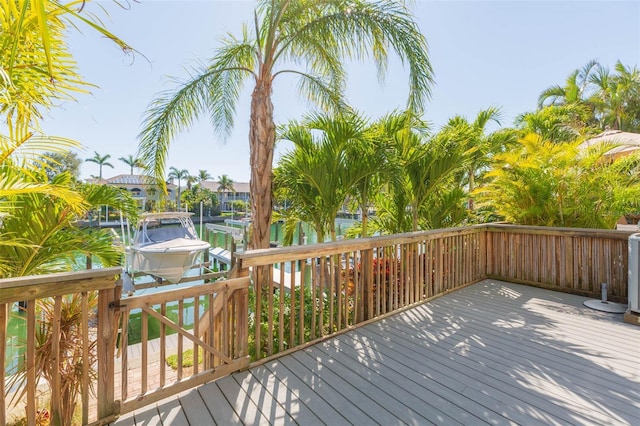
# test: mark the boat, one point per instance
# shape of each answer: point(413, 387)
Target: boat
point(165, 252)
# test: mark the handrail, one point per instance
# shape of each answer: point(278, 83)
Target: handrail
point(299, 252)
point(58, 284)
point(302, 294)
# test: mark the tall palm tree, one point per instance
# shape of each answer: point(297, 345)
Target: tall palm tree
point(617, 97)
point(318, 37)
point(101, 160)
point(203, 175)
point(131, 161)
point(225, 184)
point(191, 179)
point(180, 175)
point(575, 89)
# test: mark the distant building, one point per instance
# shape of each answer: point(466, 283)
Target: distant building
point(625, 142)
point(226, 198)
point(140, 191)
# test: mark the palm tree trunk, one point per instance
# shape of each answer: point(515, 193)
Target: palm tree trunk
point(262, 138)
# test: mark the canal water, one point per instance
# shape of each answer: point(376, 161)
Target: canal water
point(16, 331)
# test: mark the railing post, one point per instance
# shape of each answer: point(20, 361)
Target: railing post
point(4, 319)
point(367, 280)
point(106, 346)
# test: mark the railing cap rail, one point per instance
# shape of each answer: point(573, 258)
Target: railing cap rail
point(293, 253)
point(57, 284)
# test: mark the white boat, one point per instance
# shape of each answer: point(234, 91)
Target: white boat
point(166, 252)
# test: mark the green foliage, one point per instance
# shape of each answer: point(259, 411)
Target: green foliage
point(187, 359)
point(197, 194)
point(100, 160)
point(550, 184)
point(58, 162)
point(427, 175)
point(607, 99)
point(324, 167)
point(70, 356)
point(310, 303)
point(42, 235)
point(318, 38)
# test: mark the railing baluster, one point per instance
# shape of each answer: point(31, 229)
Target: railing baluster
point(56, 402)
point(301, 322)
point(30, 362)
point(196, 332)
point(145, 350)
point(163, 345)
point(292, 300)
point(85, 357)
point(124, 353)
point(281, 306)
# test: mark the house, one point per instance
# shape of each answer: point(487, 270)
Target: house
point(625, 142)
point(140, 190)
point(226, 198)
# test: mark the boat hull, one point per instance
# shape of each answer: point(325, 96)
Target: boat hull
point(168, 260)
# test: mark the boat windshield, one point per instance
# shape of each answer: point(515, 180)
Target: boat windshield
point(147, 235)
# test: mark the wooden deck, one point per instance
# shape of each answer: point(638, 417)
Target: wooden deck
point(493, 353)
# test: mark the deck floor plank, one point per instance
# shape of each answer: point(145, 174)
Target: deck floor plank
point(264, 400)
point(353, 391)
point(221, 410)
point(171, 412)
point(148, 416)
point(493, 353)
point(423, 383)
point(195, 409)
point(326, 403)
point(416, 399)
point(248, 412)
point(280, 392)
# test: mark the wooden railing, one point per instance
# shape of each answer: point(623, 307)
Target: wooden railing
point(205, 324)
point(563, 259)
point(280, 300)
point(305, 293)
point(98, 340)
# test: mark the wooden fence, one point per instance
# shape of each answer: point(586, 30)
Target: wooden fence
point(280, 300)
point(563, 259)
point(305, 293)
point(96, 346)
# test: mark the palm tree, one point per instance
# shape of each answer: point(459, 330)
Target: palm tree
point(191, 179)
point(225, 184)
point(556, 123)
point(37, 71)
point(427, 171)
point(131, 161)
point(540, 182)
point(101, 160)
point(480, 145)
point(323, 168)
point(575, 89)
point(617, 97)
point(175, 173)
point(318, 36)
point(203, 175)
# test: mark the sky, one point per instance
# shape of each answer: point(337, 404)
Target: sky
point(483, 53)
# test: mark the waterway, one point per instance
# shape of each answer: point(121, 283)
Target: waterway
point(16, 331)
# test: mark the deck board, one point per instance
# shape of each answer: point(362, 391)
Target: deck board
point(491, 353)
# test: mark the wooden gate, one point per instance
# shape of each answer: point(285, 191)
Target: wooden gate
point(177, 339)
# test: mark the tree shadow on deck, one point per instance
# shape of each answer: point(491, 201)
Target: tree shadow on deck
point(492, 353)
